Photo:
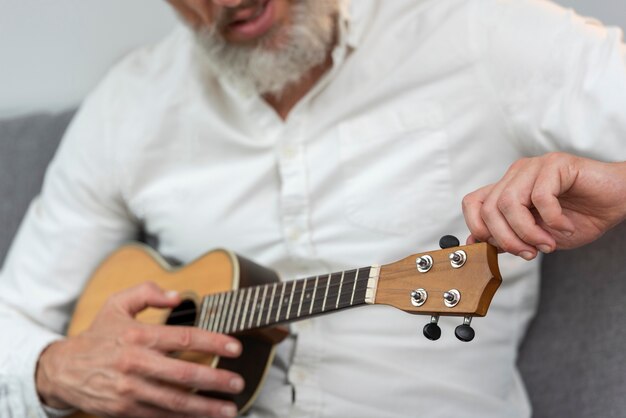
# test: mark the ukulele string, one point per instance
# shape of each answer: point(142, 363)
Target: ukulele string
point(296, 294)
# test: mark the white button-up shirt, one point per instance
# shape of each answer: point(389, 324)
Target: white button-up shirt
point(426, 101)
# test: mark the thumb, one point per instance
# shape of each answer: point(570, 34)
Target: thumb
point(137, 298)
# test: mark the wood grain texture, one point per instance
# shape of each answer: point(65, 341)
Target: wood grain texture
point(477, 281)
point(217, 271)
point(134, 264)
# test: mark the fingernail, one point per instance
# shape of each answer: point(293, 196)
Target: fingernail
point(546, 249)
point(492, 242)
point(567, 233)
point(171, 294)
point(527, 255)
point(234, 348)
point(237, 384)
point(229, 411)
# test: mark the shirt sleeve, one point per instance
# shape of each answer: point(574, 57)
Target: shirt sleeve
point(559, 78)
point(77, 220)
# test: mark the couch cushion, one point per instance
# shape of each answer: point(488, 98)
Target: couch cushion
point(26, 146)
point(574, 356)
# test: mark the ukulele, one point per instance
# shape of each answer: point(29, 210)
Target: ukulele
point(225, 293)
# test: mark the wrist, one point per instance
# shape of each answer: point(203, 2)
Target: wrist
point(44, 375)
point(622, 181)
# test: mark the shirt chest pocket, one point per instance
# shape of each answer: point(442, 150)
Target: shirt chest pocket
point(396, 169)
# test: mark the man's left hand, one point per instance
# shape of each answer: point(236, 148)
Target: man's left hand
point(556, 201)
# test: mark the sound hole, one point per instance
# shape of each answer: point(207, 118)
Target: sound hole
point(183, 314)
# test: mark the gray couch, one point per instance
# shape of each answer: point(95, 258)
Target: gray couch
point(574, 357)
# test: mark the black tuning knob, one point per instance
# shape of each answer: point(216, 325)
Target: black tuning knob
point(465, 332)
point(449, 241)
point(432, 330)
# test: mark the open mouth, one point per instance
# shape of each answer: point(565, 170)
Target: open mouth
point(252, 22)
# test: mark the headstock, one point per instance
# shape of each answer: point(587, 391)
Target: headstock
point(454, 281)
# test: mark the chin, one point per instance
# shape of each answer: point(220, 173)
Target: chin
point(281, 56)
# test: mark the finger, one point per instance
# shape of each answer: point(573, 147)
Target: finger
point(514, 203)
point(502, 234)
point(186, 374)
point(169, 339)
point(139, 396)
point(142, 410)
point(176, 400)
point(545, 200)
point(472, 204)
point(135, 299)
point(471, 240)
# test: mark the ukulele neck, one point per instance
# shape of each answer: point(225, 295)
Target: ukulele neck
point(262, 306)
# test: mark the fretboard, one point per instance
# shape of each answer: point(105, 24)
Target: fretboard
point(266, 305)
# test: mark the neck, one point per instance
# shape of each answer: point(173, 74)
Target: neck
point(285, 102)
point(262, 306)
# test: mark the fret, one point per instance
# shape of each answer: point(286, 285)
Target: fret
point(361, 290)
point(222, 325)
point(200, 319)
point(320, 298)
point(339, 292)
point(269, 311)
point(211, 315)
point(231, 308)
point(356, 277)
point(239, 300)
point(245, 309)
point(301, 297)
point(224, 315)
point(207, 312)
point(219, 312)
point(280, 303)
point(317, 278)
point(345, 293)
point(293, 288)
point(326, 293)
point(253, 308)
point(258, 322)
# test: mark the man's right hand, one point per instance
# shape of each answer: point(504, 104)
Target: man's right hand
point(121, 368)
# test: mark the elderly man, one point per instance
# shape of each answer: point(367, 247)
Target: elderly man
point(313, 136)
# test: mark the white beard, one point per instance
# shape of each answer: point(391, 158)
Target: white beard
point(282, 57)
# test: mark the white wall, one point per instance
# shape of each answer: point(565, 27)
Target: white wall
point(52, 52)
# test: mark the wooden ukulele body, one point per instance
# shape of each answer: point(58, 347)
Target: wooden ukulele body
point(454, 281)
point(215, 272)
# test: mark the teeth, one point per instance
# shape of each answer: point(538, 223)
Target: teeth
point(258, 13)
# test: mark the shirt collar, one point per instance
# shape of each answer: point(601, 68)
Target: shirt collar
point(351, 22)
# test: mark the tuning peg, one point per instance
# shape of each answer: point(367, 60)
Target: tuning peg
point(449, 241)
point(432, 330)
point(465, 332)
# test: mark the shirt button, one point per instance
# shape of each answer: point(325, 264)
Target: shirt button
point(294, 234)
point(297, 375)
point(304, 325)
point(289, 152)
